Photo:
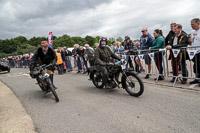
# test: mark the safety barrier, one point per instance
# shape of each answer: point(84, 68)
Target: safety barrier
point(181, 57)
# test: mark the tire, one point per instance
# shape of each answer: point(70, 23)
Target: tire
point(93, 76)
point(52, 88)
point(40, 85)
point(128, 86)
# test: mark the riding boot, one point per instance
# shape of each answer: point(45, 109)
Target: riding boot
point(105, 81)
point(51, 78)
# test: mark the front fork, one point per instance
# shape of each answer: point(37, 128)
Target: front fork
point(131, 83)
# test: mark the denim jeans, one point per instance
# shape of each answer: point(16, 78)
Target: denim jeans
point(69, 64)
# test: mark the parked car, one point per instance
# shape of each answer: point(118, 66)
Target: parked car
point(4, 66)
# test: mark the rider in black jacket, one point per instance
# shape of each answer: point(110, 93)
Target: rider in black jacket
point(43, 55)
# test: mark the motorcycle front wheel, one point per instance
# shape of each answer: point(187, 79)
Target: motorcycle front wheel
point(52, 88)
point(132, 84)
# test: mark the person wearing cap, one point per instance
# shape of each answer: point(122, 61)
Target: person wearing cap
point(129, 49)
point(102, 56)
point(43, 55)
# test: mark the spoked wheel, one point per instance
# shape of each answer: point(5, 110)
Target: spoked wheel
point(52, 88)
point(133, 84)
point(97, 80)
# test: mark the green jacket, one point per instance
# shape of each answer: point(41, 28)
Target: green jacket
point(158, 43)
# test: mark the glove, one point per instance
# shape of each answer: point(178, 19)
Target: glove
point(104, 64)
point(111, 64)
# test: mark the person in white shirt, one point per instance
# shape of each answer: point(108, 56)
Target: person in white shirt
point(195, 41)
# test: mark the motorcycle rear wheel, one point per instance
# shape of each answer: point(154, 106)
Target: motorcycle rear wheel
point(97, 81)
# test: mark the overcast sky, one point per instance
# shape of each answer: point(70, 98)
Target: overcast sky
point(110, 18)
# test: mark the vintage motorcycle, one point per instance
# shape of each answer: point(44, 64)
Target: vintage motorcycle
point(129, 78)
point(44, 81)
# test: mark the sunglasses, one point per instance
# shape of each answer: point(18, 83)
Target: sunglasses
point(143, 31)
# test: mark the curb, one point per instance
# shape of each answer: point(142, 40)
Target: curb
point(13, 116)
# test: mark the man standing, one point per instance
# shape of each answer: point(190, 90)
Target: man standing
point(145, 42)
point(195, 36)
point(169, 38)
point(89, 54)
point(129, 49)
point(180, 39)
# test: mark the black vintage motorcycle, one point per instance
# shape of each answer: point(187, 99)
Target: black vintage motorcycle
point(44, 81)
point(129, 78)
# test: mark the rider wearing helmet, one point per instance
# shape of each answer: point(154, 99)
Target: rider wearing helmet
point(102, 56)
point(43, 55)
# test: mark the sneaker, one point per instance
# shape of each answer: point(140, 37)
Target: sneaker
point(78, 72)
point(141, 71)
point(147, 76)
point(160, 78)
point(195, 81)
point(184, 81)
point(173, 79)
point(83, 72)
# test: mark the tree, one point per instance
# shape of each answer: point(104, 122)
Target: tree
point(35, 41)
point(119, 39)
point(90, 40)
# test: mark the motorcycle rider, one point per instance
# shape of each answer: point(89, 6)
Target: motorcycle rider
point(102, 57)
point(43, 55)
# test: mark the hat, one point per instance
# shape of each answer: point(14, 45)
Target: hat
point(44, 43)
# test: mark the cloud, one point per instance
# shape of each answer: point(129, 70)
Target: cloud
point(111, 18)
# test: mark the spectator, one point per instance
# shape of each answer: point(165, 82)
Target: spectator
point(89, 54)
point(78, 59)
point(180, 39)
point(158, 43)
point(169, 38)
point(83, 61)
point(63, 58)
point(74, 53)
point(113, 46)
point(96, 45)
point(129, 49)
point(59, 62)
point(68, 58)
point(145, 42)
point(119, 50)
point(195, 40)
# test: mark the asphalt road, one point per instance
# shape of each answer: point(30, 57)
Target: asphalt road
point(86, 109)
